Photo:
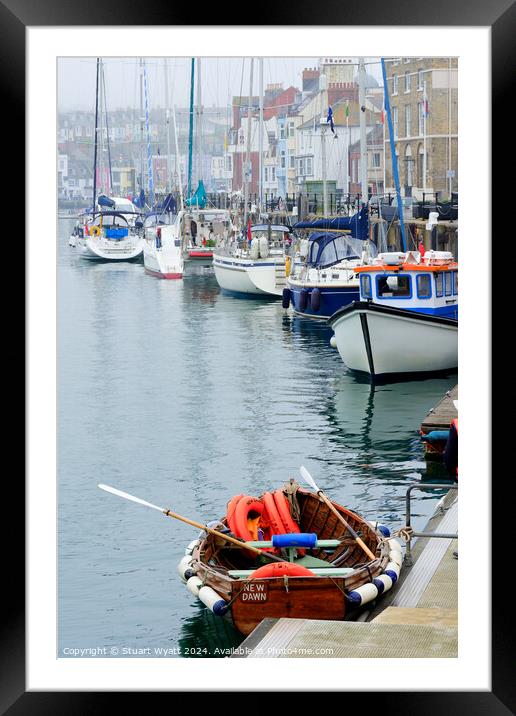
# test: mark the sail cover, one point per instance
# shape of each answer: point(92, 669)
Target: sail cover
point(358, 224)
point(104, 200)
point(199, 199)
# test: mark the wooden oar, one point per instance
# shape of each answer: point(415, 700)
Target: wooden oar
point(309, 479)
point(199, 525)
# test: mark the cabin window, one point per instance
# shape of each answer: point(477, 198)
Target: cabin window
point(448, 283)
point(424, 286)
point(365, 286)
point(438, 285)
point(393, 286)
point(455, 275)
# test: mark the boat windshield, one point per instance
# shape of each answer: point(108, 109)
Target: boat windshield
point(127, 208)
point(328, 249)
point(110, 220)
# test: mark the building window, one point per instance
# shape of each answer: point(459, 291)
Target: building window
point(424, 286)
point(407, 81)
point(292, 162)
point(395, 84)
point(408, 128)
point(266, 173)
point(395, 122)
point(291, 129)
point(282, 131)
point(273, 174)
point(283, 160)
point(309, 166)
point(420, 79)
point(376, 160)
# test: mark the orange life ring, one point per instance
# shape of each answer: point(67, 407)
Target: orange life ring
point(273, 516)
point(281, 569)
point(238, 521)
point(289, 525)
point(230, 511)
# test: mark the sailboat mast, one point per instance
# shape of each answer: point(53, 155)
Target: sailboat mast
point(96, 137)
point(260, 139)
point(141, 125)
point(178, 164)
point(107, 127)
point(190, 130)
point(199, 122)
point(363, 139)
point(394, 158)
point(248, 151)
point(167, 120)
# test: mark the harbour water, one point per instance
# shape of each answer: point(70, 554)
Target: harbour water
point(183, 396)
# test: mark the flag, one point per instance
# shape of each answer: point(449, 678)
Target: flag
point(249, 235)
point(382, 117)
point(421, 248)
point(329, 119)
point(347, 109)
point(425, 108)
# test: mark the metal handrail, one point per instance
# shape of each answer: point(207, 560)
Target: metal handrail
point(411, 534)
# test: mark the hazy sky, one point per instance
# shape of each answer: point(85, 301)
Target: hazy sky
point(221, 79)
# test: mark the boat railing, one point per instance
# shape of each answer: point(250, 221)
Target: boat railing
point(408, 527)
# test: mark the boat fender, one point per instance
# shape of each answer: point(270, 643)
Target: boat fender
point(315, 299)
point(193, 544)
point(285, 300)
point(184, 566)
point(281, 569)
point(213, 601)
point(303, 299)
point(435, 436)
point(255, 248)
point(394, 545)
point(392, 570)
point(264, 247)
point(193, 585)
point(396, 557)
point(383, 529)
point(333, 342)
point(288, 264)
point(362, 595)
point(301, 539)
point(383, 583)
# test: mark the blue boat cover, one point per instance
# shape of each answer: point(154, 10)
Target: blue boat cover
point(199, 199)
point(358, 224)
point(328, 248)
point(104, 200)
point(139, 200)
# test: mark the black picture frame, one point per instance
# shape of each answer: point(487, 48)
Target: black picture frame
point(500, 16)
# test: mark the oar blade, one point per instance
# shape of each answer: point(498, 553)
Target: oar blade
point(308, 478)
point(127, 496)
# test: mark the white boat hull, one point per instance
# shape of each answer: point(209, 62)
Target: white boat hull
point(265, 277)
point(382, 341)
point(162, 263)
point(100, 249)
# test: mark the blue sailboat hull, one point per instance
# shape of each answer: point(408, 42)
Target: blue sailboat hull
point(332, 298)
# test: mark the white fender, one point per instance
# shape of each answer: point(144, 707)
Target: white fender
point(193, 585)
point(213, 601)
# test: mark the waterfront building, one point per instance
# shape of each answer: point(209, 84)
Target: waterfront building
point(423, 96)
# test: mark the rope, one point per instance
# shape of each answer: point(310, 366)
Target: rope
point(405, 533)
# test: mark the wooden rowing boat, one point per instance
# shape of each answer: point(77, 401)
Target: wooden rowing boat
point(228, 570)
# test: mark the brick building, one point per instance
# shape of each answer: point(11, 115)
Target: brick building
point(423, 96)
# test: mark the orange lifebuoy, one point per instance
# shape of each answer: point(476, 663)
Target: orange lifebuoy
point(281, 569)
point(241, 512)
point(273, 516)
point(289, 525)
point(230, 511)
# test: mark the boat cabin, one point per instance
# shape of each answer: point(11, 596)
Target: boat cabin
point(425, 283)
